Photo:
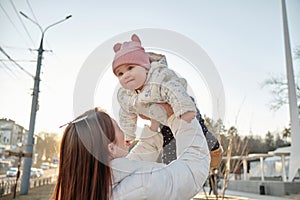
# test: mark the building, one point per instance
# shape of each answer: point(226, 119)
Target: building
point(12, 135)
point(265, 174)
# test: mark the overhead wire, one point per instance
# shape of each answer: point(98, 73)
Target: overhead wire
point(17, 64)
point(8, 70)
point(22, 68)
point(35, 18)
point(3, 60)
point(31, 10)
point(26, 30)
point(16, 49)
point(11, 21)
point(12, 47)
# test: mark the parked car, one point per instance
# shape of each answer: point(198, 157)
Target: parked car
point(40, 171)
point(45, 165)
point(12, 172)
point(53, 165)
point(34, 173)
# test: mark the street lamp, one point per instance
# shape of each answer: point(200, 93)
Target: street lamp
point(19, 154)
point(293, 107)
point(25, 182)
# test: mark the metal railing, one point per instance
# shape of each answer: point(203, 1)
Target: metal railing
point(7, 185)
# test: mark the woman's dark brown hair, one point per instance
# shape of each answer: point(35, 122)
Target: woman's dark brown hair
point(81, 174)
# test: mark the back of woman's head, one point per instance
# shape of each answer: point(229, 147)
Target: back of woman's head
point(84, 172)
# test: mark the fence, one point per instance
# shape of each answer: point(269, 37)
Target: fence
point(7, 185)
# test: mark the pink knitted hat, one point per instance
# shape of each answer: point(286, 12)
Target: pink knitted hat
point(130, 53)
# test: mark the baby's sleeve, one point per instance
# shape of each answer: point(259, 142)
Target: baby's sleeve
point(128, 123)
point(174, 92)
point(127, 114)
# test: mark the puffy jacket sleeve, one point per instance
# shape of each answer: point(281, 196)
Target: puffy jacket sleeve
point(128, 123)
point(181, 179)
point(127, 113)
point(149, 146)
point(186, 175)
point(173, 91)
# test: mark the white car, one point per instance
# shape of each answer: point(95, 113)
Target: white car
point(40, 171)
point(52, 165)
point(34, 173)
point(45, 165)
point(12, 172)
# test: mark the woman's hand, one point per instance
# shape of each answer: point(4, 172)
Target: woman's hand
point(155, 124)
point(144, 117)
point(188, 116)
point(167, 108)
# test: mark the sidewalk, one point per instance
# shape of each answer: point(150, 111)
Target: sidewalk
point(45, 192)
point(39, 193)
point(236, 195)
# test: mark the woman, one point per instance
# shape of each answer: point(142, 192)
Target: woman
point(94, 165)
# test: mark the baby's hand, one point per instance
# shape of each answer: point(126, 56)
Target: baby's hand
point(188, 116)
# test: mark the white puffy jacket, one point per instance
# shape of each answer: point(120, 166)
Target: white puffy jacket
point(162, 86)
point(181, 179)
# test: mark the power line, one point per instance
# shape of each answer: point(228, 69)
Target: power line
point(11, 21)
point(30, 7)
point(17, 64)
point(31, 10)
point(25, 183)
point(19, 49)
point(3, 60)
point(12, 47)
point(26, 30)
point(8, 70)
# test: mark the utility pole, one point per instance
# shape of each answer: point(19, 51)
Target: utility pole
point(25, 182)
point(295, 126)
point(19, 154)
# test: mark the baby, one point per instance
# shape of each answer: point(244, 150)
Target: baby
point(145, 85)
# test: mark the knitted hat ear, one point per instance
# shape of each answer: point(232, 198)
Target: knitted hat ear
point(135, 38)
point(117, 47)
point(130, 52)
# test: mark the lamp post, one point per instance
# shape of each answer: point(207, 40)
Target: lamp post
point(34, 107)
point(19, 154)
point(293, 107)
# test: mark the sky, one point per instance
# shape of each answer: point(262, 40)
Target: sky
point(244, 40)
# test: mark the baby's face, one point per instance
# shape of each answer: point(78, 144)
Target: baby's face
point(131, 77)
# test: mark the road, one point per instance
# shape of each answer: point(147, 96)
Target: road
point(47, 173)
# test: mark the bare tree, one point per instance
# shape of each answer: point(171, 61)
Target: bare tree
point(231, 131)
point(297, 52)
point(278, 87)
point(47, 147)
